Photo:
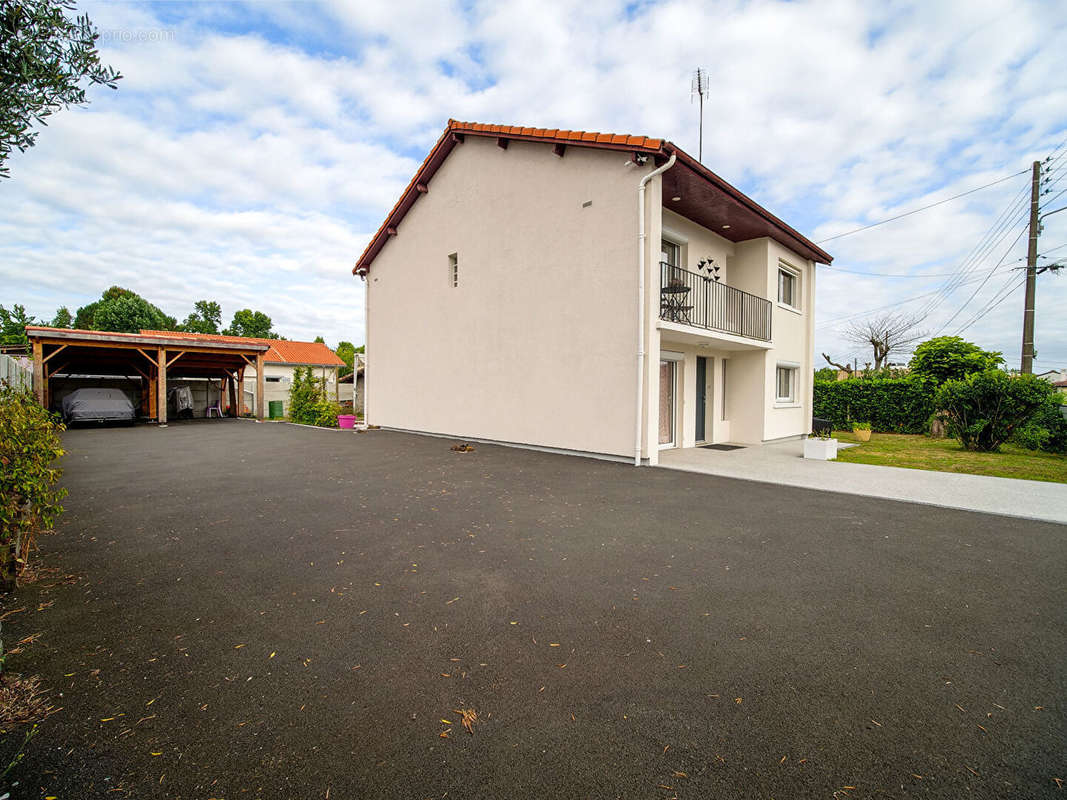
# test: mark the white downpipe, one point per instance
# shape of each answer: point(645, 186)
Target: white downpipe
point(365, 276)
point(641, 236)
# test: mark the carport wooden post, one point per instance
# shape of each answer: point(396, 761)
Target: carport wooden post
point(261, 388)
point(38, 372)
point(161, 390)
point(233, 394)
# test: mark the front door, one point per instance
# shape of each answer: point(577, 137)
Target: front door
point(667, 380)
point(702, 386)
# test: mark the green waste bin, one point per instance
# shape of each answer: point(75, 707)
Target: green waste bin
point(274, 409)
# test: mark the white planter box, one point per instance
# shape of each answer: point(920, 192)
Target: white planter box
point(821, 449)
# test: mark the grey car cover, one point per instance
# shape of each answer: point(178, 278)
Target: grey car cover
point(85, 405)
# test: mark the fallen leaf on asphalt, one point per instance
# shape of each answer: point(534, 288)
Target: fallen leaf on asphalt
point(553, 644)
point(782, 760)
point(447, 721)
point(920, 777)
point(876, 722)
point(273, 654)
point(961, 708)
point(444, 734)
point(238, 646)
point(470, 716)
point(665, 749)
point(737, 700)
point(973, 772)
point(680, 775)
point(1058, 782)
point(450, 602)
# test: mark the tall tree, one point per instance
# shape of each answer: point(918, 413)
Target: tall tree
point(62, 319)
point(206, 318)
point(247, 322)
point(124, 311)
point(320, 340)
point(13, 325)
point(347, 353)
point(885, 334)
point(45, 57)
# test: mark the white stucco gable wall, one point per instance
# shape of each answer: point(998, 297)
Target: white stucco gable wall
point(536, 344)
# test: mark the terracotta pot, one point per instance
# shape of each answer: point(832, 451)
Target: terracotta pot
point(863, 435)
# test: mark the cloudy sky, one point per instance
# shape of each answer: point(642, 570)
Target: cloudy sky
point(252, 149)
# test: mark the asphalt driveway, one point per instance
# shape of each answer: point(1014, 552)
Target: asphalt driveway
point(279, 612)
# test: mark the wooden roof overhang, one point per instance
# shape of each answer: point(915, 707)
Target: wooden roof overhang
point(708, 200)
point(705, 197)
point(77, 352)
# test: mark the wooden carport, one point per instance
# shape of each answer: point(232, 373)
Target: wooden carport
point(153, 358)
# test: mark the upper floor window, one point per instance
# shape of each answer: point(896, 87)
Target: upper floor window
point(788, 287)
point(453, 270)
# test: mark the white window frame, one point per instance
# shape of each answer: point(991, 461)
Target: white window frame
point(794, 273)
point(793, 399)
point(453, 270)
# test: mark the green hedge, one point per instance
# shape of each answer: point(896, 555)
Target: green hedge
point(891, 405)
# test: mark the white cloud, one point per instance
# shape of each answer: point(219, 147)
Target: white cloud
point(252, 149)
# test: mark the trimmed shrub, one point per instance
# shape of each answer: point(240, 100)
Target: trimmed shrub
point(29, 496)
point(988, 408)
point(1046, 430)
point(949, 358)
point(890, 405)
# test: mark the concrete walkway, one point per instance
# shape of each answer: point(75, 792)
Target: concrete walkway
point(783, 463)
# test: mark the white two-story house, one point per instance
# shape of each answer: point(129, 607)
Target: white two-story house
point(586, 292)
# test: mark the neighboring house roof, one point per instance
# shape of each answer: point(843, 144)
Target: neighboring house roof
point(279, 351)
point(703, 193)
point(1060, 384)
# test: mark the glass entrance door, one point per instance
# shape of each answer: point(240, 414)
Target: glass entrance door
point(668, 378)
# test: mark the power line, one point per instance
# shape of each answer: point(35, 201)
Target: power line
point(990, 306)
point(983, 283)
point(897, 274)
point(924, 208)
point(1010, 217)
point(895, 303)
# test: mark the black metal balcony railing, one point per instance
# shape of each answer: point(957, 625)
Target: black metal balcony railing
point(699, 300)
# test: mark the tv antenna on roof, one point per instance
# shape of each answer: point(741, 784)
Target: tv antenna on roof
point(701, 89)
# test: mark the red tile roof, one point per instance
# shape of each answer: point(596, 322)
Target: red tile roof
point(280, 351)
point(659, 148)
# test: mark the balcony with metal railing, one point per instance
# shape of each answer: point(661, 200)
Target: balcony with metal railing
point(701, 301)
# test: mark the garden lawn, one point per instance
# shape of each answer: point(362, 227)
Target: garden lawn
point(946, 455)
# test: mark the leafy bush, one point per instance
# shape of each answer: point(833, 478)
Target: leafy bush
point(1046, 430)
point(308, 403)
point(861, 426)
point(890, 405)
point(29, 496)
point(303, 395)
point(986, 409)
point(947, 358)
point(326, 412)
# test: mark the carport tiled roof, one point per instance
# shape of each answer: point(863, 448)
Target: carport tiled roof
point(280, 351)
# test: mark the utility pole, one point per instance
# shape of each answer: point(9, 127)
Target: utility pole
point(1027, 365)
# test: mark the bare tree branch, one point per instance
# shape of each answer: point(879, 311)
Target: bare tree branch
point(885, 334)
